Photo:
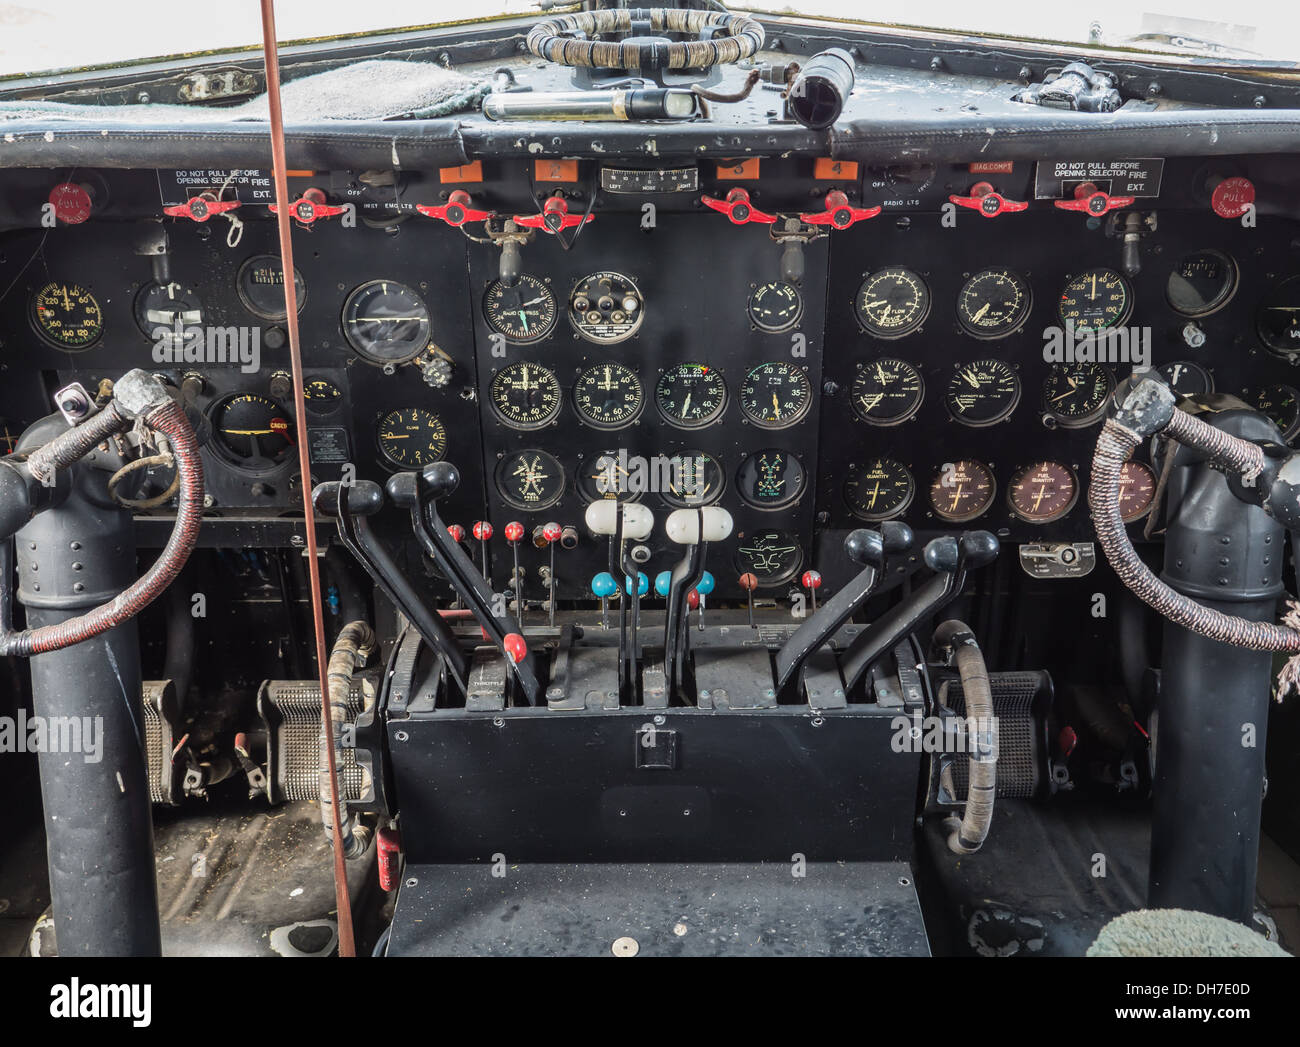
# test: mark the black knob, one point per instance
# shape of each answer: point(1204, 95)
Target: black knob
point(979, 548)
point(365, 497)
point(942, 554)
point(865, 547)
point(440, 479)
point(897, 537)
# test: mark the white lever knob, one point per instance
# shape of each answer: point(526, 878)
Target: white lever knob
point(683, 525)
point(638, 522)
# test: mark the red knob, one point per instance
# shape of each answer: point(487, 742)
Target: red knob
point(988, 202)
point(839, 213)
point(200, 209)
point(554, 216)
point(515, 647)
point(514, 531)
point(457, 532)
point(71, 203)
point(1091, 200)
point(737, 208)
point(812, 580)
point(482, 530)
point(693, 598)
point(748, 582)
point(311, 206)
point(456, 211)
point(1233, 197)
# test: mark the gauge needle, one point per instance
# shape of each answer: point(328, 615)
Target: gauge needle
point(67, 302)
point(776, 406)
point(248, 432)
point(686, 406)
point(979, 315)
point(971, 378)
point(870, 403)
point(1042, 492)
point(880, 374)
point(1093, 297)
point(875, 493)
point(523, 319)
point(956, 499)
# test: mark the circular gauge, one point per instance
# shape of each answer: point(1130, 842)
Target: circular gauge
point(525, 395)
point(167, 313)
point(1278, 318)
point(887, 392)
point(67, 316)
point(1187, 378)
point(523, 313)
point(772, 557)
point(775, 306)
point(412, 437)
point(606, 308)
point(983, 392)
point(321, 394)
point(608, 396)
point(386, 322)
point(1095, 300)
point(694, 479)
point(1282, 404)
point(260, 285)
point(879, 490)
point(1137, 490)
point(993, 303)
point(530, 479)
point(770, 479)
point(775, 395)
point(608, 475)
point(1202, 282)
point(252, 430)
point(691, 395)
point(892, 302)
point(1075, 394)
point(962, 490)
point(1042, 492)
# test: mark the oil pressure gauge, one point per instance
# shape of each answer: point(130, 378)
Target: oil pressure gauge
point(606, 308)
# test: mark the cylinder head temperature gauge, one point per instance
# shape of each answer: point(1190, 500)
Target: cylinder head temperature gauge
point(1043, 492)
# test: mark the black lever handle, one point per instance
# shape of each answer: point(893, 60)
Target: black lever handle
point(867, 548)
point(950, 558)
point(419, 493)
point(349, 505)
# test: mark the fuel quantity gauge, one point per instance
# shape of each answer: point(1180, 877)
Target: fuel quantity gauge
point(1042, 492)
point(879, 490)
point(962, 490)
point(887, 391)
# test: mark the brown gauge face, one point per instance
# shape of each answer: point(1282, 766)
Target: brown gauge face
point(962, 490)
point(1043, 492)
point(1074, 395)
point(1137, 491)
point(880, 489)
point(887, 392)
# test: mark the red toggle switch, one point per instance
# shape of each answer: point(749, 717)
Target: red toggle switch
point(514, 531)
point(839, 213)
point(456, 211)
point(1233, 197)
point(310, 206)
point(457, 532)
point(737, 208)
point(71, 203)
point(516, 648)
point(987, 201)
point(1091, 200)
point(200, 209)
point(551, 532)
point(482, 530)
point(554, 217)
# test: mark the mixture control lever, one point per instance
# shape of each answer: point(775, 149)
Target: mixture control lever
point(695, 529)
point(622, 522)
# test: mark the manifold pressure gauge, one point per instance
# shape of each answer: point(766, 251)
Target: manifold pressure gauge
point(525, 395)
point(608, 396)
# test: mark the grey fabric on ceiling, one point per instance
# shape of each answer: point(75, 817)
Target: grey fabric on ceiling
point(371, 90)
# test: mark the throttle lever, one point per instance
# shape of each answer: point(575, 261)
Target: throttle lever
point(950, 558)
point(868, 548)
point(694, 528)
point(420, 492)
point(350, 504)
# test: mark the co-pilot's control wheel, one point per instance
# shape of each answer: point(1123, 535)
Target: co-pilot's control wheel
point(719, 38)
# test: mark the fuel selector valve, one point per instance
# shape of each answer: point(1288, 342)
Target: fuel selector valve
point(458, 210)
point(736, 206)
point(1093, 202)
point(839, 213)
point(553, 217)
point(988, 201)
point(310, 207)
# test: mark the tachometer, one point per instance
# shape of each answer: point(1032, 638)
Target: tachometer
point(608, 396)
point(983, 392)
point(411, 437)
point(525, 395)
point(887, 391)
point(523, 313)
point(879, 490)
point(1095, 300)
point(691, 395)
point(530, 479)
point(606, 308)
point(386, 322)
point(67, 316)
point(775, 395)
point(1042, 492)
point(892, 302)
point(993, 303)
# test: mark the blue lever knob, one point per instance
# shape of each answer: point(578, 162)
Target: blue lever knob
point(662, 582)
point(642, 584)
point(705, 585)
point(603, 584)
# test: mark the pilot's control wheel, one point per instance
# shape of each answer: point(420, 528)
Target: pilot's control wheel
point(719, 38)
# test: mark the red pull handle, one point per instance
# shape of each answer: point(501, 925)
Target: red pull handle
point(388, 855)
point(839, 213)
point(311, 206)
point(456, 211)
point(1091, 200)
point(738, 209)
point(987, 201)
point(554, 217)
point(200, 209)
point(516, 647)
point(457, 532)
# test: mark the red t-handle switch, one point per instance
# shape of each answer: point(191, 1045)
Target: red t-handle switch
point(839, 213)
point(554, 216)
point(1091, 200)
point(200, 209)
point(987, 201)
point(456, 211)
point(311, 206)
point(737, 208)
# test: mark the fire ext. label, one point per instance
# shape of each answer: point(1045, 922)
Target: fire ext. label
point(1058, 179)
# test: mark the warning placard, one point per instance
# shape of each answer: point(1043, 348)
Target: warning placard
point(1058, 179)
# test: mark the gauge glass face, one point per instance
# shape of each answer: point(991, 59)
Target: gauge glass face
point(1095, 300)
point(606, 308)
point(993, 303)
point(887, 392)
point(525, 395)
point(983, 392)
point(691, 395)
point(1187, 378)
point(1277, 320)
point(530, 479)
point(1137, 490)
point(260, 285)
point(770, 479)
point(67, 316)
point(962, 490)
point(411, 437)
point(892, 302)
point(608, 396)
point(775, 306)
point(168, 313)
point(608, 475)
point(879, 490)
point(1042, 492)
point(523, 313)
point(772, 557)
point(386, 322)
point(694, 479)
point(1202, 282)
point(1282, 404)
point(321, 393)
point(253, 430)
point(1075, 394)
point(775, 395)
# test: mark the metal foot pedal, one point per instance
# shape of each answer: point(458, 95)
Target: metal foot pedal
point(161, 721)
point(291, 710)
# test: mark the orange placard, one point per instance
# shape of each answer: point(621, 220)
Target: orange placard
point(991, 167)
point(555, 170)
point(737, 170)
point(464, 173)
point(827, 170)
point(297, 174)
